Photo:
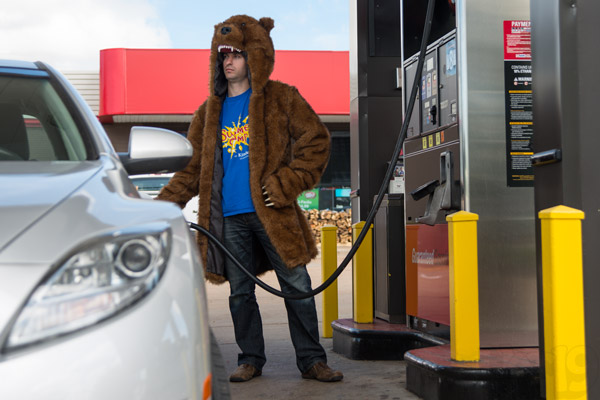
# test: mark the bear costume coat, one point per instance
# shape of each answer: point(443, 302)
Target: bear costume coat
point(288, 152)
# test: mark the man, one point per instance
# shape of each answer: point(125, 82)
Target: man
point(271, 147)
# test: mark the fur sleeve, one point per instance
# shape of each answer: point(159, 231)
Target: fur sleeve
point(184, 184)
point(311, 144)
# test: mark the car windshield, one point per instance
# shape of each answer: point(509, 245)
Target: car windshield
point(35, 123)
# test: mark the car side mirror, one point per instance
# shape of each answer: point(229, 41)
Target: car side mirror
point(155, 150)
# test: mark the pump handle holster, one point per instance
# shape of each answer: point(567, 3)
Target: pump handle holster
point(444, 194)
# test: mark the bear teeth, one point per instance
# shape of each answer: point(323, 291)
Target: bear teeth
point(228, 47)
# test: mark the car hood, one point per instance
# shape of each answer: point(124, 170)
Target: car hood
point(46, 216)
point(30, 193)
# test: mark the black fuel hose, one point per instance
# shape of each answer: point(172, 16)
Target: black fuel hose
point(376, 205)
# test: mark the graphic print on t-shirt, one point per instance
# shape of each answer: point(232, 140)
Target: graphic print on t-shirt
point(235, 138)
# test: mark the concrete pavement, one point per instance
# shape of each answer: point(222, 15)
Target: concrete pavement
point(281, 378)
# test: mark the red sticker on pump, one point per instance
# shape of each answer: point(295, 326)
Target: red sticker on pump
point(517, 40)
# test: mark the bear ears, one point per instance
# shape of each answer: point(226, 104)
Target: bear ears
point(267, 23)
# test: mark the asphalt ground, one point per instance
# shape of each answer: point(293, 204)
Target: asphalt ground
point(383, 380)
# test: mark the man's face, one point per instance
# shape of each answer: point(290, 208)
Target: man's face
point(234, 66)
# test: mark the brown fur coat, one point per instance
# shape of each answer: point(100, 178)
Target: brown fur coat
point(288, 151)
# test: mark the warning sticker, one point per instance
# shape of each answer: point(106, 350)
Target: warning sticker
point(518, 98)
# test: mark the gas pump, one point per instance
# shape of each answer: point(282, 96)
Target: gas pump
point(461, 154)
point(432, 162)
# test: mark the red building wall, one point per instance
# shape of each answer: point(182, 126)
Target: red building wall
point(175, 81)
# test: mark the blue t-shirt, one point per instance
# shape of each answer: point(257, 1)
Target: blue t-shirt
point(236, 169)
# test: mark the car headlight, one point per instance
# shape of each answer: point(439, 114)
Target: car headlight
point(94, 283)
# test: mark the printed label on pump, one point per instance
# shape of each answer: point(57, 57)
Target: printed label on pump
point(517, 40)
point(428, 85)
point(518, 98)
point(451, 58)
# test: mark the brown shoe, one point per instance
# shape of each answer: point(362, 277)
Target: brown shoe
point(321, 372)
point(244, 373)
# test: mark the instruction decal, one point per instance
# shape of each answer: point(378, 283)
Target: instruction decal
point(518, 98)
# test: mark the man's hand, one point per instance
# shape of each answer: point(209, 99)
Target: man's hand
point(266, 197)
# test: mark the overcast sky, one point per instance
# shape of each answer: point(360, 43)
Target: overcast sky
point(70, 33)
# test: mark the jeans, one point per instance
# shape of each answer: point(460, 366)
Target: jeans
point(239, 233)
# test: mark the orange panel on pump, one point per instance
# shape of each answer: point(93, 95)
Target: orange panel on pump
point(412, 285)
point(427, 280)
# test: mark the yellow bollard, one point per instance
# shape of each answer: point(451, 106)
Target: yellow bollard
point(328, 267)
point(564, 329)
point(362, 276)
point(464, 286)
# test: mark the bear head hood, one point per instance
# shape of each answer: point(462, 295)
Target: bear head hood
point(250, 37)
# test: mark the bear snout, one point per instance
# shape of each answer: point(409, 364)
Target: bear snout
point(225, 30)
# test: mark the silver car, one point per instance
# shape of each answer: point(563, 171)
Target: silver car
point(101, 292)
point(149, 185)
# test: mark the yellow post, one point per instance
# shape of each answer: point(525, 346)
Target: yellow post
point(564, 330)
point(464, 286)
point(362, 276)
point(328, 267)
